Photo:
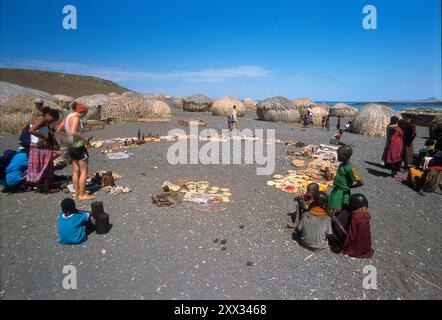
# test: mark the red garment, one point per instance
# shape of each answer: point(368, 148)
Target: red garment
point(396, 146)
point(358, 241)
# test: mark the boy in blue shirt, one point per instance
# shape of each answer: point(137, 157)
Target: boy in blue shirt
point(72, 223)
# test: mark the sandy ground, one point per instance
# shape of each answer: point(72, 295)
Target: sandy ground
point(169, 253)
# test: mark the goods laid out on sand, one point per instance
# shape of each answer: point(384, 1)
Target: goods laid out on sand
point(372, 120)
point(321, 169)
point(277, 109)
point(200, 193)
point(192, 122)
point(224, 107)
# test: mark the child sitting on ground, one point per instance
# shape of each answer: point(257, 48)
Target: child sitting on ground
point(315, 225)
point(302, 203)
point(357, 242)
point(72, 223)
point(336, 140)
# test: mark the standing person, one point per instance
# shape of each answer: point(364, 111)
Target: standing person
point(395, 150)
point(327, 122)
point(235, 124)
point(77, 151)
point(389, 132)
point(41, 166)
point(338, 125)
point(347, 177)
point(323, 121)
point(409, 129)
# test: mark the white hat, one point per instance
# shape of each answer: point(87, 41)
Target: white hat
point(38, 101)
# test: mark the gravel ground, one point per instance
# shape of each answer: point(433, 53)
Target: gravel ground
point(169, 253)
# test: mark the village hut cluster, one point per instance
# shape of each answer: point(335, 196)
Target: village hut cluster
point(16, 104)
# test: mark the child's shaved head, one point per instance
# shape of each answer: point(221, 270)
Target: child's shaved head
point(68, 206)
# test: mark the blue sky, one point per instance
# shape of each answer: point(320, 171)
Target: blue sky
point(311, 48)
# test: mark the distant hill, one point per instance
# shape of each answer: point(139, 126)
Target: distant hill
point(59, 83)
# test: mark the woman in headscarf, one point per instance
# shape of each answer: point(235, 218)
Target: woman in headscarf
point(41, 166)
point(77, 151)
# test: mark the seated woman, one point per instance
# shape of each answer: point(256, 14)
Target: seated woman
point(16, 171)
point(357, 241)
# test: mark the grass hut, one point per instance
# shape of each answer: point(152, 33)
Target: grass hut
point(16, 111)
point(302, 104)
point(277, 109)
point(154, 96)
point(342, 110)
point(372, 120)
point(122, 108)
point(155, 108)
point(132, 95)
point(197, 103)
point(249, 104)
point(64, 101)
point(436, 127)
point(224, 106)
point(176, 103)
point(319, 112)
point(112, 94)
point(95, 103)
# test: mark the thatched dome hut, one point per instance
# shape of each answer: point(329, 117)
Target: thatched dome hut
point(8, 90)
point(112, 94)
point(224, 106)
point(16, 111)
point(132, 95)
point(197, 103)
point(436, 127)
point(319, 112)
point(122, 108)
point(176, 102)
point(302, 104)
point(64, 101)
point(154, 96)
point(95, 103)
point(155, 108)
point(372, 120)
point(277, 109)
point(342, 110)
point(249, 104)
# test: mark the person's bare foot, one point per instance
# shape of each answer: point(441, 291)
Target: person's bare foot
point(292, 225)
point(86, 198)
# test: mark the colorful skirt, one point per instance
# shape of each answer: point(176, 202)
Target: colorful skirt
point(40, 164)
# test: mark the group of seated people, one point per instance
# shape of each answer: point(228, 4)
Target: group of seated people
point(340, 221)
point(319, 229)
point(427, 174)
